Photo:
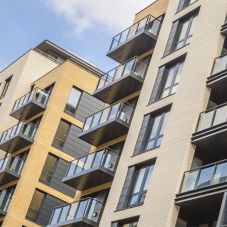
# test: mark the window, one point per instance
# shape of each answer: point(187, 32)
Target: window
point(140, 186)
point(129, 222)
point(184, 3)
point(171, 80)
point(5, 88)
point(156, 131)
point(185, 31)
point(35, 205)
point(73, 101)
point(48, 168)
point(61, 133)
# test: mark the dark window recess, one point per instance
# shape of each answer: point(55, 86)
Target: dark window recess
point(6, 86)
point(140, 186)
point(170, 80)
point(48, 168)
point(184, 3)
point(129, 222)
point(61, 134)
point(35, 205)
point(73, 101)
point(147, 58)
point(155, 131)
point(185, 31)
point(5, 197)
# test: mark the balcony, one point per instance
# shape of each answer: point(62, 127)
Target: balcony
point(10, 169)
point(122, 81)
point(135, 40)
point(224, 28)
point(4, 204)
point(211, 129)
point(18, 137)
point(218, 79)
point(30, 104)
point(92, 170)
point(107, 124)
point(84, 213)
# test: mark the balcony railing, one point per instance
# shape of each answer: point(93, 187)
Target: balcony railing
point(122, 110)
point(88, 208)
point(95, 159)
point(212, 117)
point(204, 176)
point(37, 94)
point(149, 23)
point(220, 64)
point(136, 66)
point(12, 163)
point(4, 203)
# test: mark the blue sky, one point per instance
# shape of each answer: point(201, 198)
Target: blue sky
point(84, 27)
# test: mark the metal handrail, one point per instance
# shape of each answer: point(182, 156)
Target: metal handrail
point(215, 107)
point(8, 159)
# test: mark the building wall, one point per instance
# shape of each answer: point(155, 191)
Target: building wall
point(25, 70)
point(175, 154)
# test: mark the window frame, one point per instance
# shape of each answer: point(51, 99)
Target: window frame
point(6, 86)
point(141, 192)
point(190, 20)
point(172, 84)
point(74, 107)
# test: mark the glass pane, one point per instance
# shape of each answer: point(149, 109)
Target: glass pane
point(72, 211)
point(126, 113)
point(138, 182)
point(220, 175)
point(169, 77)
point(91, 209)
point(55, 216)
point(81, 209)
point(45, 178)
point(174, 89)
point(72, 168)
point(165, 93)
point(177, 79)
point(192, 26)
point(49, 164)
point(64, 213)
point(220, 64)
point(205, 177)
point(142, 198)
point(133, 200)
point(119, 71)
point(80, 164)
point(36, 200)
point(98, 158)
point(189, 181)
point(113, 112)
point(132, 31)
point(89, 161)
point(164, 123)
point(150, 171)
point(57, 142)
point(96, 119)
point(124, 36)
point(62, 130)
point(206, 120)
point(220, 116)
point(105, 114)
point(128, 67)
point(142, 25)
point(140, 68)
point(102, 81)
point(88, 123)
point(107, 161)
point(74, 97)
point(155, 127)
point(31, 214)
point(183, 30)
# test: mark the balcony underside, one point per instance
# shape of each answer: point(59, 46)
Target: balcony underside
point(119, 89)
point(105, 132)
point(135, 46)
point(212, 139)
point(77, 222)
point(7, 176)
point(199, 193)
point(89, 178)
point(28, 110)
point(224, 29)
point(15, 143)
point(218, 84)
point(2, 213)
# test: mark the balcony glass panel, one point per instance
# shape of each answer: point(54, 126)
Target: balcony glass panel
point(136, 66)
point(212, 117)
point(204, 176)
point(149, 23)
point(120, 110)
point(37, 94)
point(12, 163)
point(25, 128)
point(88, 208)
point(220, 64)
point(102, 157)
point(4, 202)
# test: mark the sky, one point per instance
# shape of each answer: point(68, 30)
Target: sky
point(84, 27)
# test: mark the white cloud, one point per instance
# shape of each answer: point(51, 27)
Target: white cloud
point(111, 16)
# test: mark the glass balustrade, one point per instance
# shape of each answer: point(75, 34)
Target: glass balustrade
point(204, 176)
point(149, 23)
point(212, 117)
point(12, 163)
point(105, 157)
point(37, 94)
point(220, 64)
point(136, 66)
point(121, 110)
point(25, 128)
point(87, 208)
point(4, 202)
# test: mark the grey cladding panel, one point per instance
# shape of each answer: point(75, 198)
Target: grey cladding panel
point(46, 209)
point(158, 82)
point(75, 146)
point(126, 189)
point(56, 180)
point(171, 39)
point(141, 137)
point(88, 105)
